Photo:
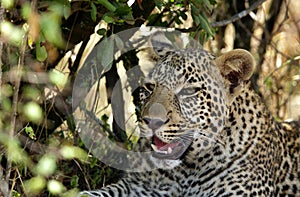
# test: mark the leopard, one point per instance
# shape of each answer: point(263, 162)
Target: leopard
point(210, 132)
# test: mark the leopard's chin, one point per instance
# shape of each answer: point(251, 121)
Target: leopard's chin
point(172, 151)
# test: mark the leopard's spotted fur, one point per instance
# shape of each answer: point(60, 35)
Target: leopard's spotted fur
point(231, 146)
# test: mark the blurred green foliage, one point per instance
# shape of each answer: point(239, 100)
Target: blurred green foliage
point(43, 154)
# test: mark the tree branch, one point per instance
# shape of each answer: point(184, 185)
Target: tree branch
point(239, 15)
point(232, 19)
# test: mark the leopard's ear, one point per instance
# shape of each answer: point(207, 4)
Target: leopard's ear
point(236, 67)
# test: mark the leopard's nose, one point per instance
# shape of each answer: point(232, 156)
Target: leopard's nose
point(153, 123)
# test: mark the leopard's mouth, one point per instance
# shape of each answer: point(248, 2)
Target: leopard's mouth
point(173, 150)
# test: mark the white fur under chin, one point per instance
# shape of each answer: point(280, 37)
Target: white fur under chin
point(166, 164)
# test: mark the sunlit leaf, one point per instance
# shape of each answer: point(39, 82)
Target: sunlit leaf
point(108, 19)
point(29, 131)
point(55, 187)
point(14, 152)
point(35, 185)
point(71, 152)
point(46, 165)
point(50, 23)
point(58, 78)
point(7, 3)
point(12, 33)
point(26, 9)
point(33, 112)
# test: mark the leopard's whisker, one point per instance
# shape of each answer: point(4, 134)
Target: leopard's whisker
point(212, 136)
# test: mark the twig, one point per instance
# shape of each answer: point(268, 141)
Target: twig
point(15, 101)
point(32, 146)
point(3, 183)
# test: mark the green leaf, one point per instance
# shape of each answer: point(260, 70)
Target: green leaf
point(268, 81)
point(94, 12)
point(159, 4)
point(123, 10)
point(31, 92)
point(106, 52)
point(29, 131)
point(195, 14)
point(202, 37)
point(41, 52)
point(108, 19)
point(67, 9)
point(93, 162)
point(208, 5)
point(6, 105)
point(26, 10)
point(50, 23)
point(101, 31)
point(205, 24)
point(74, 181)
point(107, 4)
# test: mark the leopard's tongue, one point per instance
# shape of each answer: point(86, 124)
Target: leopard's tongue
point(162, 146)
point(172, 150)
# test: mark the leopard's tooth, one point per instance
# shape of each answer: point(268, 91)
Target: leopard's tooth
point(169, 150)
point(154, 147)
point(159, 151)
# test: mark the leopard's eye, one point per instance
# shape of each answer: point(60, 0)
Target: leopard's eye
point(190, 91)
point(149, 86)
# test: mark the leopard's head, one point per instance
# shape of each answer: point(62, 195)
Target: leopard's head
point(186, 98)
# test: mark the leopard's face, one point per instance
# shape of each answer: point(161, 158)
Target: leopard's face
point(184, 100)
